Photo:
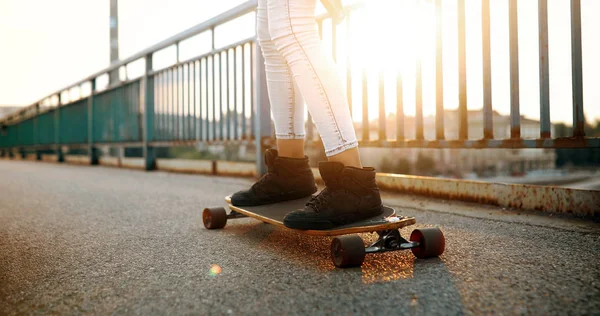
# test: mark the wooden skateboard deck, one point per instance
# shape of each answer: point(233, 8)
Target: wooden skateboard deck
point(274, 214)
point(347, 248)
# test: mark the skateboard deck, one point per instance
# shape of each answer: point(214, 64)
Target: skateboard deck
point(274, 214)
point(347, 248)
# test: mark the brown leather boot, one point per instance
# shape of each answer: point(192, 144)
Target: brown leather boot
point(350, 195)
point(286, 179)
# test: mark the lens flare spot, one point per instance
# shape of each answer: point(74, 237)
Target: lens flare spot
point(215, 270)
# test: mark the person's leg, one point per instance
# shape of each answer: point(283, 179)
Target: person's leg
point(294, 33)
point(287, 104)
point(351, 192)
point(289, 175)
point(292, 148)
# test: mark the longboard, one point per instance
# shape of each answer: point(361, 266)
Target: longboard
point(347, 249)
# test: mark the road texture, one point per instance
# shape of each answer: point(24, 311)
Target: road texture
point(98, 240)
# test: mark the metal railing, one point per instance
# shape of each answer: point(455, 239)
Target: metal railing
point(221, 96)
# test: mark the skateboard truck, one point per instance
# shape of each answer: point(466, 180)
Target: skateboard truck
point(390, 240)
point(349, 251)
point(234, 215)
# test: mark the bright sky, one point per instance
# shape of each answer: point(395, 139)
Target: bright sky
point(47, 45)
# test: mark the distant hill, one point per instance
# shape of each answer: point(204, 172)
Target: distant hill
point(5, 110)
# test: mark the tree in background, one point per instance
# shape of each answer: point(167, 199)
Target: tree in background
point(425, 165)
point(397, 165)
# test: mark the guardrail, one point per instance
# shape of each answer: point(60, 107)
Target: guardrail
point(221, 97)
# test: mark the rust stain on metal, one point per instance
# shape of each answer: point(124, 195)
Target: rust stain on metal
point(208, 167)
point(531, 197)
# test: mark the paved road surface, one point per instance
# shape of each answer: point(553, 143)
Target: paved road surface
point(78, 239)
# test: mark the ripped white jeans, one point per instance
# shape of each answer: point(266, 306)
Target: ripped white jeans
point(298, 70)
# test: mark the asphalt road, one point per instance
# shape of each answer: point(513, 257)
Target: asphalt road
point(97, 240)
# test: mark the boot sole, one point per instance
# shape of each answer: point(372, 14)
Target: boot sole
point(330, 223)
point(277, 199)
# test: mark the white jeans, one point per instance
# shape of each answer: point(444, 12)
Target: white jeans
point(298, 70)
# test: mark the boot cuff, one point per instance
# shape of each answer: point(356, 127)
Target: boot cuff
point(330, 170)
point(361, 174)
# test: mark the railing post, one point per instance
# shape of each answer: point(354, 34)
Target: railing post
point(36, 133)
point(92, 151)
point(147, 101)
point(576, 70)
point(262, 117)
point(59, 153)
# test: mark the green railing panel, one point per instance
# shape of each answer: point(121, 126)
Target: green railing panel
point(4, 138)
point(13, 132)
point(26, 132)
point(46, 128)
point(117, 115)
point(74, 123)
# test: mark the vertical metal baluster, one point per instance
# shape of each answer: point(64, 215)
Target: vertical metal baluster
point(463, 131)
point(165, 103)
point(544, 70)
point(181, 85)
point(190, 110)
point(221, 116)
point(195, 112)
point(399, 108)
point(137, 110)
point(134, 110)
point(235, 95)
point(365, 106)
point(200, 132)
point(183, 114)
point(243, 65)
point(157, 105)
point(177, 105)
point(189, 103)
point(207, 80)
point(148, 109)
point(214, 102)
point(253, 95)
point(159, 102)
point(172, 105)
point(576, 69)
point(418, 101)
point(515, 118)
point(439, 73)
point(382, 118)
point(228, 125)
point(488, 120)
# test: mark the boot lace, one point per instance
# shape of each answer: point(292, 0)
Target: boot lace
point(323, 199)
point(320, 201)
